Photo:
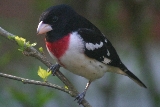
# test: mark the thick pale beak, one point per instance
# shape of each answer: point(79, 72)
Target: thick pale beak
point(43, 28)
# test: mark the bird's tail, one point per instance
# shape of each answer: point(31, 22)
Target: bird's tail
point(125, 71)
point(134, 78)
point(122, 69)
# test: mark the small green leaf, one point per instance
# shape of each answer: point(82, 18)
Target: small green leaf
point(66, 87)
point(43, 74)
point(29, 45)
point(33, 44)
point(41, 49)
point(11, 37)
point(22, 43)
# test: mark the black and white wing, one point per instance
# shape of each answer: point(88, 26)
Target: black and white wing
point(98, 47)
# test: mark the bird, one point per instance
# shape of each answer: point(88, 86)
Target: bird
point(79, 46)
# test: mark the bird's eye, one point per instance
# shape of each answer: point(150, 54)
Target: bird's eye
point(55, 18)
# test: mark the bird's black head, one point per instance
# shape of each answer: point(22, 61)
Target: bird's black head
point(55, 19)
point(60, 20)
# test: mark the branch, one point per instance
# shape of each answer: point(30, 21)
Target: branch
point(29, 81)
point(31, 51)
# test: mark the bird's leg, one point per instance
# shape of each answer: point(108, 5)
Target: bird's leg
point(54, 68)
point(81, 96)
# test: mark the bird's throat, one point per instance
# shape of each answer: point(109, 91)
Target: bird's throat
point(58, 47)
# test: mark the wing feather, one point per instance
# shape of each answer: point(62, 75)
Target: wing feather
point(98, 47)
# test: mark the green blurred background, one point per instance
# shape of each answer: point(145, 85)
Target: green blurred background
point(133, 27)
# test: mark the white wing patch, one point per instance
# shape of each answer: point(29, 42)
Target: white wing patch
point(108, 53)
point(91, 46)
point(106, 40)
point(106, 60)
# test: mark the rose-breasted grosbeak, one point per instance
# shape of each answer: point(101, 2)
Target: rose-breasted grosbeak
point(79, 46)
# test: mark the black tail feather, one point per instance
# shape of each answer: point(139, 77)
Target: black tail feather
point(134, 78)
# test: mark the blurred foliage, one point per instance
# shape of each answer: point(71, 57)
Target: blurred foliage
point(29, 101)
point(131, 25)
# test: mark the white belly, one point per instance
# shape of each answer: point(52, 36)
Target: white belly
point(84, 66)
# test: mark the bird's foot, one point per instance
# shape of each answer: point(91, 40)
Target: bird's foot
point(54, 68)
point(80, 97)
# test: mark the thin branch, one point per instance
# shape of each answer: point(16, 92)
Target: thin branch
point(29, 81)
point(31, 51)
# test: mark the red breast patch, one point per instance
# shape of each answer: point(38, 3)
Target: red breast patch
point(59, 47)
